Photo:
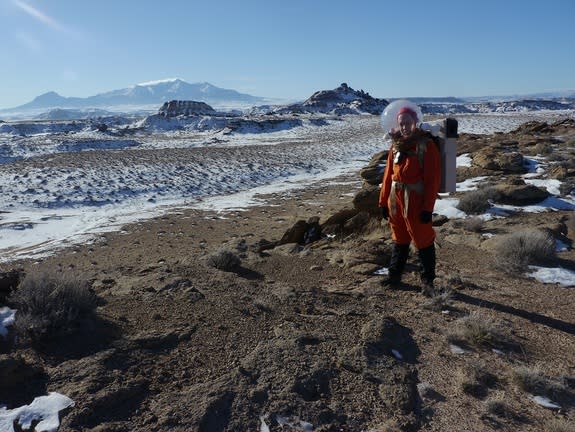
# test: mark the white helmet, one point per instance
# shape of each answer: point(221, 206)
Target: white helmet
point(389, 114)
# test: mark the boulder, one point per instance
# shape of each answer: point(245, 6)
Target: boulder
point(295, 234)
point(518, 193)
point(495, 159)
point(532, 127)
point(302, 232)
point(335, 223)
point(367, 200)
point(372, 173)
point(356, 223)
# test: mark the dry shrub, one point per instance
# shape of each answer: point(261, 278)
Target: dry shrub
point(474, 224)
point(475, 378)
point(478, 201)
point(51, 304)
point(543, 148)
point(224, 260)
point(498, 407)
point(533, 380)
point(440, 300)
point(516, 251)
point(476, 330)
point(560, 425)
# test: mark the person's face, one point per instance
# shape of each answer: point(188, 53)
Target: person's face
point(406, 124)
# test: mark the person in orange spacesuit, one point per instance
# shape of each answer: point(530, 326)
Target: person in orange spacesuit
point(409, 188)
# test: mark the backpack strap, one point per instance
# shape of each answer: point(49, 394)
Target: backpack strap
point(421, 147)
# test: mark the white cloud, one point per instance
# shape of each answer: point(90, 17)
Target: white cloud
point(39, 15)
point(45, 19)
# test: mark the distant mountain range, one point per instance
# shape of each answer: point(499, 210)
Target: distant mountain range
point(151, 93)
point(146, 98)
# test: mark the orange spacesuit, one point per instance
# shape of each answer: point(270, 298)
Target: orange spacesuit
point(409, 188)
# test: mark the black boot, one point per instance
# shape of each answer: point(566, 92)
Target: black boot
point(399, 255)
point(427, 259)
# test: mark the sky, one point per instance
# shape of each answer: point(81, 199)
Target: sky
point(288, 50)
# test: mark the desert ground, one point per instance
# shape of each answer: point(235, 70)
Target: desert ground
point(302, 336)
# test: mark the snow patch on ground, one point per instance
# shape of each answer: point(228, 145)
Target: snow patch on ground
point(44, 409)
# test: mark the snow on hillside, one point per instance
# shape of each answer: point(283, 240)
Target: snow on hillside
point(486, 123)
point(61, 182)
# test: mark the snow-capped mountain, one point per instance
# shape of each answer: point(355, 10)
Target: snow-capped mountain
point(149, 93)
point(145, 99)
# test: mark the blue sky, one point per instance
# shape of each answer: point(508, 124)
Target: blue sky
point(288, 49)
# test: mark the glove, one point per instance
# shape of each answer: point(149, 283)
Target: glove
point(384, 213)
point(426, 217)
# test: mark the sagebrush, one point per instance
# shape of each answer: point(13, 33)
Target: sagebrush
point(474, 224)
point(534, 381)
point(477, 330)
point(497, 406)
point(474, 378)
point(517, 250)
point(560, 425)
point(478, 201)
point(440, 300)
point(224, 260)
point(50, 304)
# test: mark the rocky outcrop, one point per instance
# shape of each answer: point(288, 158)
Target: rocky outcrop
point(345, 97)
point(341, 100)
point(175, 108)
point(495, 159)
point(367, 200)
point(372, 173)
point(517, 192)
